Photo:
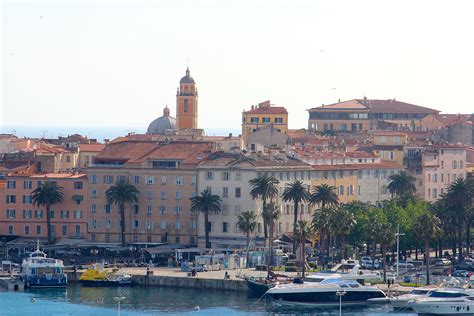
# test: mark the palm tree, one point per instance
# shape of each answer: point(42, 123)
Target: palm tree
point(342, 222)
point(264, 187)
point(402, 184)
point(427, 226)
point(324, 195)
point(206, 203)
point(303, 231)
point(47, 195)
point(321, 223)
point(459, 197)
point(247, 222)
point(120, 194)
point(296, 192)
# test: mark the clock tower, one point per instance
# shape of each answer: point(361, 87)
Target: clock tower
point(187, 103)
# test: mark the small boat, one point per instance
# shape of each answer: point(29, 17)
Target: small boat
point(448, 302)
point(329, 292)
point(38, 271)
point(259, 286)
point(98, 276)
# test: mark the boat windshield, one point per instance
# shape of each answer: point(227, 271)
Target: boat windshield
point(341, 283)
point(447, 294)
point(419, 292)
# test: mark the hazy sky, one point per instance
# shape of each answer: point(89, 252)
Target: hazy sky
point(118, 63)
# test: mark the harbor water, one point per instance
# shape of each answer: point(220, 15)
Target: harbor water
point(77, 300)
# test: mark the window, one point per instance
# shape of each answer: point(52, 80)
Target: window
point(27, 214)
point(64, 214)
point(149, 195)
point(108, 223)
point(177, 239)
point(11, 184)
point(177, 195)
point(429, 192)
point(209, 226)
point(68, 158)
point(177, 210)
point(383, 139)
point(136, 209)
point(93, 223)
point(209, 189)
point(149, 225)
point(107, 208)
point(350, 190)
point(150, 180)
point(429, 177)
point(254, 119)
point(266, 120)
point(135, 179)
point(210, 175)
point(225, 192)
point(237, 176)
point(38, 214)
point(442, 177)
point(27, 199)
point(27, 230)
point(193, 181)
point(278, 120)
point(178, 180)
point(77, 214)
point(177, 225)
point(149, 209)
point(164, 195)
point(108, 179)
point(11, 199)
point(11, 213)
point(93, 208)
point(341, 190)
point(435, 193)
point(78, 230)
point(225, 227)
point(435, 177)
point(225, 209)
point(78, 185)
point(225, 176)
point(442, 164)
point(38, 230)
point(107, 237)
point(93, 193)
point(136, 224)
point(163, 225)
point(237, 209)
point(122, 178)
point(192, 225)
point(186, 106)
point(237, 192)
point(65, 230)
point(27, 185)
point(455, 164)
point(163, 180)
point(162, 209)
point(93, 179)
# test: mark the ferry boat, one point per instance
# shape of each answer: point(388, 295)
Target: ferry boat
point(39, 271)
point(98, 276)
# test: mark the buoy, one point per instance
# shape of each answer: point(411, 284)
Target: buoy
point(32, 300)
point(197, 308)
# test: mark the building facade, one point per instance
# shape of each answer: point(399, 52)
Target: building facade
point(187, 103)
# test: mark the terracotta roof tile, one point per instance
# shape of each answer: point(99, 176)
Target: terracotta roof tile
point(268, 110)
point(91, 147)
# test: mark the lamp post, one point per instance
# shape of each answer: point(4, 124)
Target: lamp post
point(398, 247)
point(340, 293)
point(118, 299)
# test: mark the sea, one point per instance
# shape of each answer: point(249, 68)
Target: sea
point(137, 300)
point(94, 132)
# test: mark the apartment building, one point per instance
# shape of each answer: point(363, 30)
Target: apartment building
point(166, 175)
point(19, 217)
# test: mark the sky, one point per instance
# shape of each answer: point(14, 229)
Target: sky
point(116, 64)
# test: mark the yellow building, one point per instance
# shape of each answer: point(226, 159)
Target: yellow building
point(388, 145)
point(263, 115)
point(342, 177)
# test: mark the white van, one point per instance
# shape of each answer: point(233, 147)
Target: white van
point(404, 267)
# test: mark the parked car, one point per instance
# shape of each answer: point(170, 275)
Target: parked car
point(404, 267)
point(188, 267)
point(460, 273)
point(465, 265)
point(442, 262)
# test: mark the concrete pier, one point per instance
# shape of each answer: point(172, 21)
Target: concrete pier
point(11, 284)
point(190, 282)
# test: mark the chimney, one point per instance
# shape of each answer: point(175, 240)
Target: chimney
point(265, 104)
point(252, 107)
point(230, 135)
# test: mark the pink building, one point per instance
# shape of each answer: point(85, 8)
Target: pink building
point(19, 217)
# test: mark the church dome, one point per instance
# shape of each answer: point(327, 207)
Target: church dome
point(161, 124)
point(187, 79)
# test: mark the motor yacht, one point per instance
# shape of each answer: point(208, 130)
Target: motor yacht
point(447, 302)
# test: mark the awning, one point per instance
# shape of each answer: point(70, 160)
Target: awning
point(78, 197)
point(156, 250)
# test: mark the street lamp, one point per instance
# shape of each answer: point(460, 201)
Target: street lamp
point(340, 293)
point(398, 248)
point(118, 299)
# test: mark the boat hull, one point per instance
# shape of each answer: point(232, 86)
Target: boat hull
point(257, 289)
point(444, 308)
point(44, 282)
point(97, 283)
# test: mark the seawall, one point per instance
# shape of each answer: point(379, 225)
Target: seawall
point(190, 282)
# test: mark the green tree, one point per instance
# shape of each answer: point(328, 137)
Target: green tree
point(122, 193)
point(206, 203)
point(342, 222)
point(402, 184)
point(321, 224)
point(303, 231)
point(297, 193)
point(47, 194)
point(324, 195)
point(459, 197)
point(427, 226)
point(266, 188)
point(383, 231)
point(247, 222)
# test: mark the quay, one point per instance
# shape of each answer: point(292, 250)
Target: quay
point(173, 277)
point(11, 284)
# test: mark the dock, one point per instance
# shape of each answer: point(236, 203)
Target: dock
point(11, 284)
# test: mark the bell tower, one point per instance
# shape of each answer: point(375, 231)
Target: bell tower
point(187, 103)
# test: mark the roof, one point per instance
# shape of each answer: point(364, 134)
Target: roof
point(450, 119)
point(224, 159)
point(377, 106)
point(270, 110)
point(91, 147)
point(54, 175)
point(187, 79)
point(378, 165)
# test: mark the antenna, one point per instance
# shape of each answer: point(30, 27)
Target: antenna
point(44, 133)
point(187, 62)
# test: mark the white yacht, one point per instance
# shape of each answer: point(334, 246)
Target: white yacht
point(347, 271)
point(403, 302)
point(326, 293)
point(39, 271)
point(448, 302)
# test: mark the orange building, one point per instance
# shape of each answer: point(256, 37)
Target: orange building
point(19, 217)
point(187, 103)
